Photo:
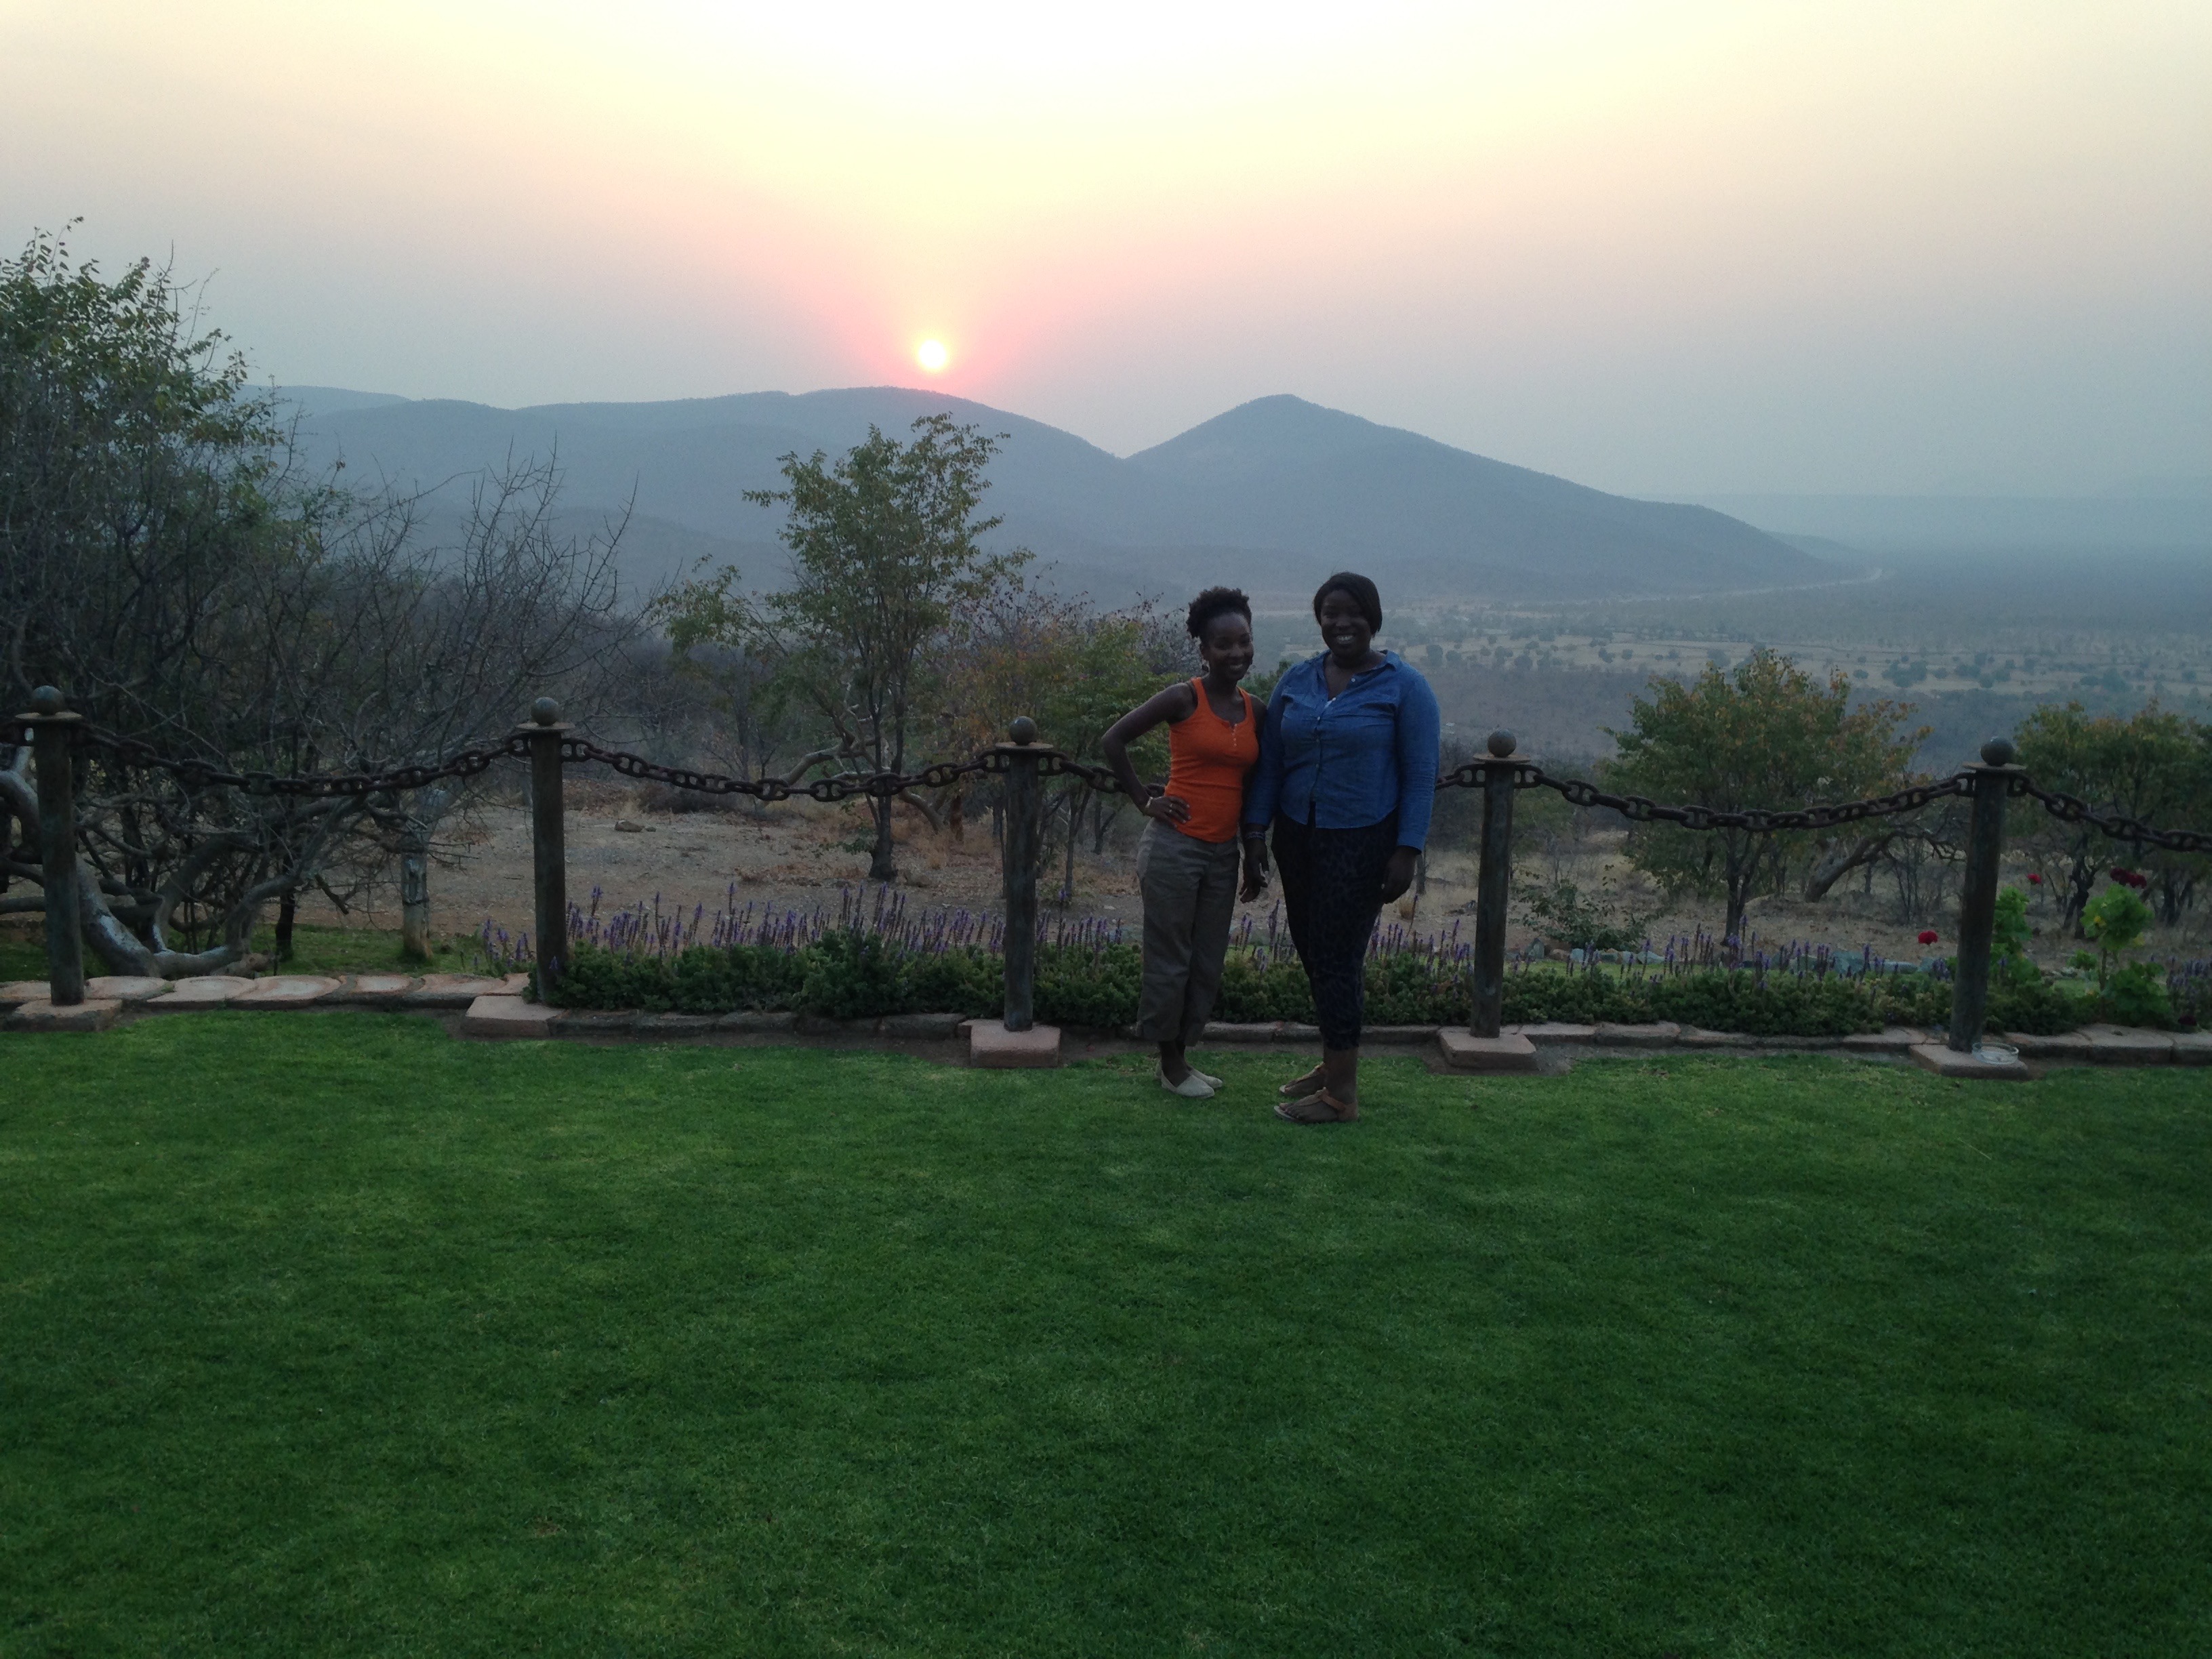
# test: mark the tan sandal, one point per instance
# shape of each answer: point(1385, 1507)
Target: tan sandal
point(1301, 1088)
point(1318, 1107)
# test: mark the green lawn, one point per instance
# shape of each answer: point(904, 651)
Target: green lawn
point(326, 1333)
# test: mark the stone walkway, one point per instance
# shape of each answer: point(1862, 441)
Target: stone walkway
point(499, 1008)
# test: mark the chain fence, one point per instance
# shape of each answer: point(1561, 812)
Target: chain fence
point(2069, 810)
point(473, 761)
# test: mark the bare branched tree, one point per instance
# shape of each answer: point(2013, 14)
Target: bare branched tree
point(162, 561)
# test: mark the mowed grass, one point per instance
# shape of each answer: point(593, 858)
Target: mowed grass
point(327, 1334)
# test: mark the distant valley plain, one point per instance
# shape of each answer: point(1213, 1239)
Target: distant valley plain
point(1532, 602)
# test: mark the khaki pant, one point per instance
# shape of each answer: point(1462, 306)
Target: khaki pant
point(1189, 890)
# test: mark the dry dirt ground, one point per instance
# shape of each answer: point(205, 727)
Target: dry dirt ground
point(799, 856)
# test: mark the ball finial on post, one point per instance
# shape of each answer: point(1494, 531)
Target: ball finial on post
point(1022, 729)
point(46, 701)
point(1501, 744)
point(1999, 751)
point(545, 711)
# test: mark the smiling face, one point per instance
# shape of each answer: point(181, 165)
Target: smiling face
point(1226, 647)
point(1344, 629)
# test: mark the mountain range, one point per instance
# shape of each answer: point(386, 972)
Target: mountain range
point(1272, 495)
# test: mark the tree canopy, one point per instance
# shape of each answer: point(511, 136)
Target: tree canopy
point(1763, 734)
point(164, 562)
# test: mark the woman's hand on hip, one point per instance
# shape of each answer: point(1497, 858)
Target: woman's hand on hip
point(1398, 874)
point(1168, 809)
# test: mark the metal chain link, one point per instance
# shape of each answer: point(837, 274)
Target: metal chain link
point(311, 786)
point(843, 786)
point(2069, 810)
point(1641, 809)
point(469, 762)
point(1053, 763)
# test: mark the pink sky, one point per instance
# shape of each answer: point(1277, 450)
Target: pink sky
point(1660, 248)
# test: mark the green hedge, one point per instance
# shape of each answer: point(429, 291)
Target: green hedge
point(846, 975)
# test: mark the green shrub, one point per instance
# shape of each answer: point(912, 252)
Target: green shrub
point(1254, 994)
point(967, 981)
point(1095, 987)
point(851, 974)
point(856, 974)
point(2136, 995)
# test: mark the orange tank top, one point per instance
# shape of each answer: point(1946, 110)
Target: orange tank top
point(1208, 759)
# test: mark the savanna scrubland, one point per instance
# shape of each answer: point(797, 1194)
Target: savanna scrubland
point(190, 560)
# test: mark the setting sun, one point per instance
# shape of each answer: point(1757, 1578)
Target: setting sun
point(933, 355)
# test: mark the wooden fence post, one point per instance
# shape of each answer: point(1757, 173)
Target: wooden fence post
point(1493, 889)
point(1018, 862)
point(1977, 897)
point(415, 895)
point(548, 847)
point(53, 730)
point(1018, 1040)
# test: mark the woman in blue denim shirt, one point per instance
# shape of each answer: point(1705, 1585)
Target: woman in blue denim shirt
point(1347, 778)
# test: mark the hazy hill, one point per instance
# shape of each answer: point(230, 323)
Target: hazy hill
point(1272, 495)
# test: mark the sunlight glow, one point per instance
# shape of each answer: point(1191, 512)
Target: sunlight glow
point(933, 355)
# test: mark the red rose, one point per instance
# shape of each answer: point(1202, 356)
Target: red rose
point(1929, 936)
point(2034, 879)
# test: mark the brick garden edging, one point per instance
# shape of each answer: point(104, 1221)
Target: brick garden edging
point(496, 1008)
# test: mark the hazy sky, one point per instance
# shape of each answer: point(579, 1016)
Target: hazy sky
point(1682, 248)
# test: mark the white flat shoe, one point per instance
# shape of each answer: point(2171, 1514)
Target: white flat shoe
point(1206, 1077)
point(1193, 1087)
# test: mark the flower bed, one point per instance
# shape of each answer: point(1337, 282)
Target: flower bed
point(866, 961)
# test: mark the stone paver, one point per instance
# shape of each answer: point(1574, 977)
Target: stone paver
point(758, 1020)
point(1463, 1051)
point(454, 990)
point(207, 991)
point(914, 1027)
point(497, 1015)
point(1696, 1036)
point(1890, 1040)
point(2121, 1045)
point(598, 1021)
point(376, 990)
point(2071, 1048)
point(2193, 1048)
point(1949, 1062)
point(94, 1014)
point(991, 1045)
point(15, 992)
point(1657, 1035)
point(1398, 1033)
point(1556, 1030)
point(286, 991)
point(1220, 1030)
point(674, 1025)
point(126, 989)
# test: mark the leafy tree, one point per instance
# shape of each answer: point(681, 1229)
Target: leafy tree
point(885, 545)
point(1076, 670)
point(161, 561)
point(2155, 765)
point(1764, 734)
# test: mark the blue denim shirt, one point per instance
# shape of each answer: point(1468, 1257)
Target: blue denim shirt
point(1350, 760)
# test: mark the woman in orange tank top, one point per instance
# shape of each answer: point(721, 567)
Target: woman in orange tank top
point(1188, 861)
